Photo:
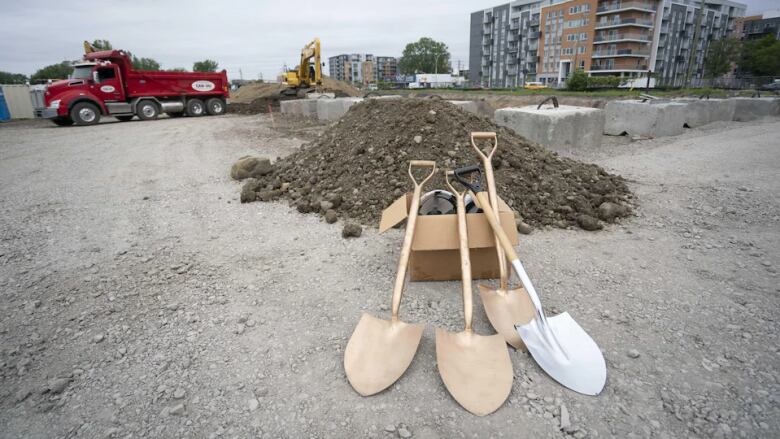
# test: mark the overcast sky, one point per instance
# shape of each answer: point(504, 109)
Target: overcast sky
point(257, 37)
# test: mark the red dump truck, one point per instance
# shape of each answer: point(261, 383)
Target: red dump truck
point(105, 84)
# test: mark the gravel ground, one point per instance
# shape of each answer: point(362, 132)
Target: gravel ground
point(141, 299)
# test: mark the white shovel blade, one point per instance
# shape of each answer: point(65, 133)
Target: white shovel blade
point(566, 352)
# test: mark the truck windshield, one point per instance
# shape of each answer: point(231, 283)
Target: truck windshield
point(81, 72)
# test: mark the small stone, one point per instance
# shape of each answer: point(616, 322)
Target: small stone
point(249, 190)
point(179, 393)
point(633, 353)
point(253, 404)
point(325, 206)
point(418, 139)
point(523, 228)
point(389, 428)
point(58, 385)
point(98, 338)
point(565, 419)
point(452, 153)
point(351, 229)
point(404, 433)
point(21, 395)
point(331, 216)
point(239, 329)
point(609, 211)
point(177, 410)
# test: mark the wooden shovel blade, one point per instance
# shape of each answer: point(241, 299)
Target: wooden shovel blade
point(379, 352)
point(507, 310)
point(476, 369)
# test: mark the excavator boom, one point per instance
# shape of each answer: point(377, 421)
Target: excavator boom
point(308, 73)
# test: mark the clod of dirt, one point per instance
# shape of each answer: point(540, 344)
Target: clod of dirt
point(363, 159)
point(248, 166)
point(589, 223)
point(249, 190)
point(609, 211)
point(351, 230)
point(331, 216)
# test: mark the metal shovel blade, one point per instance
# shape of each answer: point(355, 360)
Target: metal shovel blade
point(476, 369)
point(505, 310)
point(379, 352)
point(566, 352)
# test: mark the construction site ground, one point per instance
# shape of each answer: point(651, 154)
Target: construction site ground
point(141, 299)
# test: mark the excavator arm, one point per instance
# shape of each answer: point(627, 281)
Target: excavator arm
point(309, 70)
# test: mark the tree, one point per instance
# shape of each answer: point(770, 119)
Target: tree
point(144, 63)
point(425, 56)
point(12, 78)
point(761, 57)
point(206, 65)
point(720, 56)
point(577, 81)
point(102, 45)
point(54, 71)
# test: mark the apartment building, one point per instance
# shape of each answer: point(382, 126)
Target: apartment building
point(362, 68)
point(676, 34)
point(503, 44)
point(758, 26)
point(624, 38)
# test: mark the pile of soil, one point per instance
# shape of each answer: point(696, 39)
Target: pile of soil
point(255, 97)
point(359, 166)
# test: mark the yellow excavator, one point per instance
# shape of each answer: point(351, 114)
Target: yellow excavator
point(308, 73)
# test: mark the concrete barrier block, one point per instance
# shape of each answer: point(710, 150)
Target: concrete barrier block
point(332, 109)
point(747, 109)
point(646, 119)
point(469, 106)
point(703, 111)
point(299, 107)
point(562, 127)
point(385, 97)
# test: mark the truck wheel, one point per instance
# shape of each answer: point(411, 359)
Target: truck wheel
point(215, 106)
point(85, 113)
point(124, 118)
point(195, 107)
point(147, 110)
point(63, 121)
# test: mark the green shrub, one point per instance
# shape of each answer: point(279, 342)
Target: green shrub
point(603, 82)
point(577, 81)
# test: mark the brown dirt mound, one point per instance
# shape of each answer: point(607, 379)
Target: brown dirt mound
point(257, 90)
point(359, 166)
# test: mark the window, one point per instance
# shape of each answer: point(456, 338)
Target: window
point(582, 64)
point(583, 36)
point(106, 74)
point(580, 50)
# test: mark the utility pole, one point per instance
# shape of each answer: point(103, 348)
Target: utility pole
point(694, 43)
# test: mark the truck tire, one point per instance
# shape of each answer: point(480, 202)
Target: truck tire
point(215, 106)
point(125, 118)
point(85, 113)
point(147, 110)
point(62, 121)
point(195, 108)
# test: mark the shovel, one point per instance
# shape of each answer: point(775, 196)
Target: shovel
point(380, 351)
point(475, 369)
point(558, 344)
point(504, 307)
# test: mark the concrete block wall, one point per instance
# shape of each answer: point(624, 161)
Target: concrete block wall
point(704, 111)
point(646, 119)
point(469, 106)
point(17, 97)
point(747, 109)
point(332, 109)
point(300, 107)
point(562, 127)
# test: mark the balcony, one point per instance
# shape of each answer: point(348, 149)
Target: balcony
point(639, 38)
point(634, 53)
point(533, 35)
point(514, 25)
point(625, 22)
point(534, 22)
point(626, 6)
point(614, 68)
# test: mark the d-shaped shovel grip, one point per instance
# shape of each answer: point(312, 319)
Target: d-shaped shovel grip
point(403, 262)
point(484, 135)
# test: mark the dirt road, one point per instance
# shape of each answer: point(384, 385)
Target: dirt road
point(141, 299)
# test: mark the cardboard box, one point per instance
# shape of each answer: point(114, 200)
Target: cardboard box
point(435, 250)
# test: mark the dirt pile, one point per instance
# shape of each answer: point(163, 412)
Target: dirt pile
point(256, 97)
point(359, 166)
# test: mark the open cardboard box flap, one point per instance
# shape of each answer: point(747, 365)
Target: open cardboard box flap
point(440, 232)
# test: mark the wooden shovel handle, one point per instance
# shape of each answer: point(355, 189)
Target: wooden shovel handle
point(484, 203)
point(403, 262)
point(465, 262)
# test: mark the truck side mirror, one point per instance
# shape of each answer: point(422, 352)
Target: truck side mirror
point(95, 77)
